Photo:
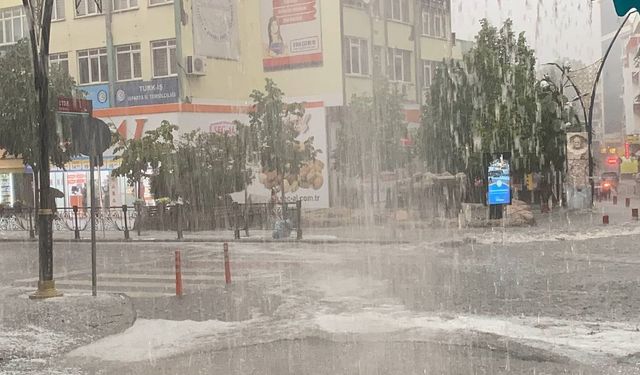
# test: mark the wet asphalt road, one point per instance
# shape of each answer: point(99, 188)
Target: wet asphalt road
point(521, 272)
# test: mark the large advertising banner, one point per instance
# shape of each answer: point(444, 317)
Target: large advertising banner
point(499, 178)
point(291, 34)
point(215, 29)
point(311, 185)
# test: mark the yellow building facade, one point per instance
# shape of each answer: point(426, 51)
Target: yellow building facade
point(195, 62)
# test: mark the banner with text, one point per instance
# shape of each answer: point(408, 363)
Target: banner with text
point(291, 34)
point(157, 91)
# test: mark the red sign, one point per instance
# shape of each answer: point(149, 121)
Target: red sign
point(612, 160)
point(74, 105)
point(626, 150)
point(406, 142)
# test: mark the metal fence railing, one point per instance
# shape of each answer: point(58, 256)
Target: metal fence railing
point(173, 217)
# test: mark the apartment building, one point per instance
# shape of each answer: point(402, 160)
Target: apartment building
point(194, 63)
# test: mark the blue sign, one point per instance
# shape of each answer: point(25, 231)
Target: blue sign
point(98, 94)
point(157, 91)
point(499, 177)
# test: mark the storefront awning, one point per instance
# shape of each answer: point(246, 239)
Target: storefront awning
point(11, 165)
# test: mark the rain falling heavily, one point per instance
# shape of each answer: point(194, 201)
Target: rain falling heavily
point(291, 187)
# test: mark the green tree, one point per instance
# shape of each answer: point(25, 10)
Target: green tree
point(214, 165)
point(139, 156)
point(273, 124)
point(491, 102)
point(370, 134)
point(19, 119)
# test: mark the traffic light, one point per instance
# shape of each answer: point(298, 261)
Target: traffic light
point(624, 6)
point(529, 181)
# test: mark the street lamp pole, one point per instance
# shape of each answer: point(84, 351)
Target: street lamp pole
point(593, 96)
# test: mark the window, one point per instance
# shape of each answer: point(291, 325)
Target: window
point(128, 64)
point(356, 56)
point(427, 73)
point(399, 65)
point(434, 23)
point(438, 29)
point(13, 25)
point(158, 2)
point(354, 3)
point(398, 10)
point(87, 7)
point(61, 60)
point(93, 65)
point(58, 10)
point(124, 4)
point(163, 54)
point(426, 22)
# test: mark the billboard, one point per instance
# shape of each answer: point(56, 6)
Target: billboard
point(311, 185)
point(499, 179)
point(291, 34)
point(215, 29)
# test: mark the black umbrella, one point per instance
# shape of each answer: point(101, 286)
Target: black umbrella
point(55, 193)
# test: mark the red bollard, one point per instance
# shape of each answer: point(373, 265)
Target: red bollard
point(227, 267)
point(178, 274)
point(634, 213)
point(605, 219)
point(615, 199)
point(627, 202)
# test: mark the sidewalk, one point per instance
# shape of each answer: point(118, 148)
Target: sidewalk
point(398, 233)
point(32, 331)
point(559, 219)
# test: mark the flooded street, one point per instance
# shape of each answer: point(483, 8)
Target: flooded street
point(477, 305)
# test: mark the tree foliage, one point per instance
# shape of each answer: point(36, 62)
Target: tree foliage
point(19, 107)
point(274, 126)
point(140, 156)
point(213, 164)
point(491, 101)
point(368, 140)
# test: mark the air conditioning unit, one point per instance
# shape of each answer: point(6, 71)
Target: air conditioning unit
point(196, 65)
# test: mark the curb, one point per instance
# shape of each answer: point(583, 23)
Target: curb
point(219, 240)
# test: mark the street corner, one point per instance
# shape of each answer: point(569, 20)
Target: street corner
point(37, 329)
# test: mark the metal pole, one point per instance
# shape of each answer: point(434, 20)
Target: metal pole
point(76, 230)
point(179, 224)
point(92, 161)
point(111, 59)
point(32, 234)
point(593, 97)
point(177, 19)
point(126, 226)
point(299, 217)
point(227, 267)
point(46, 284)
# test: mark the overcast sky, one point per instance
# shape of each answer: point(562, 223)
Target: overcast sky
point(557, 29)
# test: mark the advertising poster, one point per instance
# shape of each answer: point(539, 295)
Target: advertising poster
point(291, 34)
point(499, 179)
point(215, 29)
point(311, 185)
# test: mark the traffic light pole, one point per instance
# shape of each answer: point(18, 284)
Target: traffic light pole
point(593, 97)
